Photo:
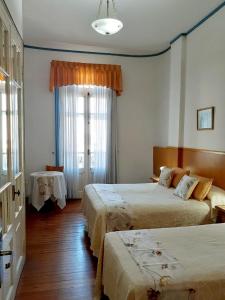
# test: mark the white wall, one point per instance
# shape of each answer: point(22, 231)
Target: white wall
point(137, 117)
point(158, 105)
point(161, 92)
point(202, 84)
point(205, 82)
point(16, 11)
point(177, 97)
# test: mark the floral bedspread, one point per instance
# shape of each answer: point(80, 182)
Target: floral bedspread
point(119, 214)
point(154, 262)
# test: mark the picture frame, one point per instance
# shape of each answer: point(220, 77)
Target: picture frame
point(205, 118)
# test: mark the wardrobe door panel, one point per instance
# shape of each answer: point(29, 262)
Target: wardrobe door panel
point(12, 194)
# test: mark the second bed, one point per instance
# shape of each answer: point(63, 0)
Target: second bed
point(166, 264)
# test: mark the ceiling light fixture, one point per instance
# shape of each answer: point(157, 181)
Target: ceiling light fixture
point(106, 22)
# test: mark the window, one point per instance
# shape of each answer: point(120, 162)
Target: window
point(84, 134)
point(3, 127)
point(15, 128)
point(98, 119)
point(90, 116)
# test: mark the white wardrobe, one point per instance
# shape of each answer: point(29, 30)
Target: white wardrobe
point(12, 200)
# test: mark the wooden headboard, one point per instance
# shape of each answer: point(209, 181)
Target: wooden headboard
point(205, 163)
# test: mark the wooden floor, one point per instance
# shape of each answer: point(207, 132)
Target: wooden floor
point(59, 265)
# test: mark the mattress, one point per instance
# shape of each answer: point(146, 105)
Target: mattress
point(137, 206)
point(164, 264)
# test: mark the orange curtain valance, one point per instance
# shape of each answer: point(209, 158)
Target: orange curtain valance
point(68, 73)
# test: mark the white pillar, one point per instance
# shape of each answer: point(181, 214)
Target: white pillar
point(177, 93)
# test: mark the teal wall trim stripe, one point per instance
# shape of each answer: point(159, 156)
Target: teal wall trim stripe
point(177, 37)
point(134, 55)
point(97, 53)
point(199, 23)
point(206, 17)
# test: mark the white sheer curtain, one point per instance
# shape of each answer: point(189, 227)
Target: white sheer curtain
point(68, 141)
point(100, 133)
point(87, 136)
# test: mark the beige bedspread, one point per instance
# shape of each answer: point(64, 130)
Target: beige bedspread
point(165, 264)
point(137, 206)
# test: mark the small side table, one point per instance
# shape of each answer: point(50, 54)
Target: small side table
point(220, 214)
point(48, 185)
point(154, 179)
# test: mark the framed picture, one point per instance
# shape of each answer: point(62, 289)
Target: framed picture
point(205, 118)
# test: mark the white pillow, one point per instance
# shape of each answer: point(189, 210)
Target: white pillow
point(166, 176)
point(186, 186)
point(216, 195)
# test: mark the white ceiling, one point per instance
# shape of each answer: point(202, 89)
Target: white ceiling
point(149, 25)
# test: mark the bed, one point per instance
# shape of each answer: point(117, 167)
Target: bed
point(117, 207)
point(167, 263)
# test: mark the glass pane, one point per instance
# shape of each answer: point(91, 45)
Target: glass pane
point(75, 122)
point(80, 160)
point(3, 131)
point(98, 105)
point(15, 130)
point(18, 68)
point(98, 132)
point(4, 45)
point(14, 62)
point(92, 105)
point(80, 140)
point(80, 105)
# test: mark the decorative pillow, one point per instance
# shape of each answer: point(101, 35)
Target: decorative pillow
point(166, 176)
point(186, 186)
point(54, 168)
point(178, 173)
point(203, 187)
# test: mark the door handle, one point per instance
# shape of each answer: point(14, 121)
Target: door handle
point(5, 253)
point(15, 193)
point(8, 265)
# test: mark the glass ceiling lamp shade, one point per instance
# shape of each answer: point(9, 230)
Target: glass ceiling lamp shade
point(107, 26)
point(107, 23)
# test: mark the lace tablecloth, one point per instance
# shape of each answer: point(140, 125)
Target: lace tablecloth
point(48, 185)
